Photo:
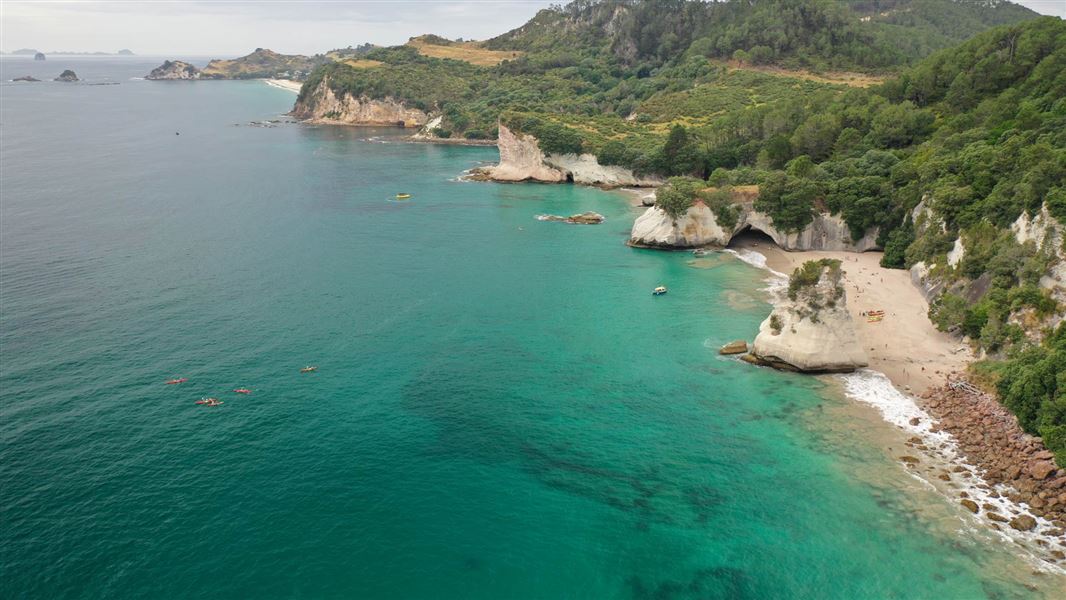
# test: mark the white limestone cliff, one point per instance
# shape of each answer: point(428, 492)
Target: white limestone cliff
point(699, 227)
point(813, 331)
point(521, 159)
point(696, 227)
point(1048, 234)
point(322, 105)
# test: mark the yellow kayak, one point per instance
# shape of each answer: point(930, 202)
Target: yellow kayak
point(403, 196)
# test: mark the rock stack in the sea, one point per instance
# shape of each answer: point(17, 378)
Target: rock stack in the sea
point(694, 228)
point(522, 159)
point(989, 436)
point(39, 56)
point(67, 76)
point(174, 69)
point(810, 330)
point(585, 218)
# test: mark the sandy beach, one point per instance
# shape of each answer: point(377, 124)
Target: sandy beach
point(905, 345)
point(285, 84)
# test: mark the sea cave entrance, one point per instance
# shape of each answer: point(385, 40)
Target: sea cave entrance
point(749, 237)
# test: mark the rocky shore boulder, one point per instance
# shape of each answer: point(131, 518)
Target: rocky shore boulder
point(68, 76)
point(585, 218)
point(810, 330)
point(174, 69)
point(736, 347)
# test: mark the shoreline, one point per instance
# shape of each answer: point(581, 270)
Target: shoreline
point(947, 447)
point(905, 345)
point(285, 84)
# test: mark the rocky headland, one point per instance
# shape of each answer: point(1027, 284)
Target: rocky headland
point(262, 63)
point(810, 329)
point(324, 106)
point(521, 159)
point(174, 69)
point(699, 227)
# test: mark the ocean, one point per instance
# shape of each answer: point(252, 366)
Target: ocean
point(501, 408)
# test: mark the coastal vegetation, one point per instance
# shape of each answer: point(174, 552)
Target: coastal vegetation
point(263, 63)
point(959, 131)
point(1032, 384)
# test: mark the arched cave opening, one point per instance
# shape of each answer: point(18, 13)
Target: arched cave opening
point(749, 237)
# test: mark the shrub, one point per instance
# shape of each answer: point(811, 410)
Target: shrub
point(809, 274)
point(775, 324)
point(678, 195)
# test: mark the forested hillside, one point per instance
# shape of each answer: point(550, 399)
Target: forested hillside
point(964, 137)
point(620, 67)
point(802, 33)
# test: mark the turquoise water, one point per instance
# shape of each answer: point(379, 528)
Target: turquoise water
point(501, 410)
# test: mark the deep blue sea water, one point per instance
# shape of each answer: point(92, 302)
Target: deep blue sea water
point(501, 410)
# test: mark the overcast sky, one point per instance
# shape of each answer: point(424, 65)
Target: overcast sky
point(179, 28)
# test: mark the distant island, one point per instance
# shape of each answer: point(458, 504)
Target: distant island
point(262, 63)
point(34, 53)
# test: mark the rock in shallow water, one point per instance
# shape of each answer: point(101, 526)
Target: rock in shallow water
point(1023, 523)
point(585, 218)
point(736, 347)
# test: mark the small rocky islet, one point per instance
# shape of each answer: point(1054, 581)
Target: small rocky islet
point(174, 70)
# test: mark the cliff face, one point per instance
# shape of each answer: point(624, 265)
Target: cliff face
point(174, 69)
point(1049, 235)
point(521, 159)
point(1041, 229)
point(322, 105)
point(699, 227)
point(812, 330)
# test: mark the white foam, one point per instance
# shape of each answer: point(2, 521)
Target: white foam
point(875, 389)
point(776, 282)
